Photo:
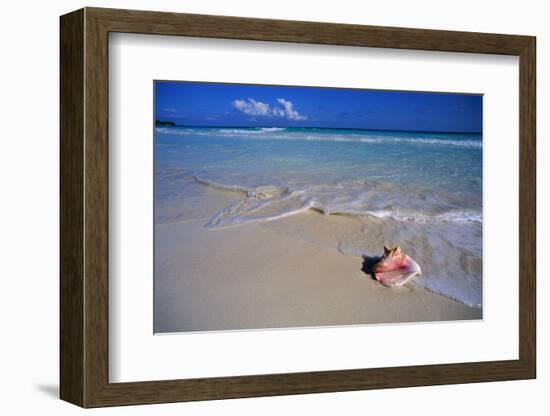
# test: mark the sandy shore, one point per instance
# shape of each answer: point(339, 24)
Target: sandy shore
point(254, 276)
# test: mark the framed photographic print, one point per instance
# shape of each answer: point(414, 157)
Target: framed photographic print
point(255, 207)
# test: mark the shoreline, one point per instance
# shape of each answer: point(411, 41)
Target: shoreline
point(259, 276)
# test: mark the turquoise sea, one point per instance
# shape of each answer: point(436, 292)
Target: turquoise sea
point(425, 189)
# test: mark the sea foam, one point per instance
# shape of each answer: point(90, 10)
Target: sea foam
point(354, 198)
point(277, 133)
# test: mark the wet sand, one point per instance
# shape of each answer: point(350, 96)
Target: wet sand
point(257, 276)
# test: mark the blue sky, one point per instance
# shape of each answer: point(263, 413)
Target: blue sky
point(218, 104)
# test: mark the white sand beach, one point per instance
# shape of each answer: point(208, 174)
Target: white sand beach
point(258, 275)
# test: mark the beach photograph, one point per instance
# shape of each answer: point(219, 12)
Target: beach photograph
point(301, 206)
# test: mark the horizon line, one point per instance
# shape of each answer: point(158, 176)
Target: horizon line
point(316, 127)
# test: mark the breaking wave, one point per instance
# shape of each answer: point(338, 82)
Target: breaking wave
point(278, 133)
point(353, 198)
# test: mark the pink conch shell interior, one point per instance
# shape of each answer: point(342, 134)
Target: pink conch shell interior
point(395, 268)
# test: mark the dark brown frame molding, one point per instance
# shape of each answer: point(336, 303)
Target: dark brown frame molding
point(84, 207)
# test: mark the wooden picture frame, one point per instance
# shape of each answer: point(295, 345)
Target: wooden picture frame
point(84, 207)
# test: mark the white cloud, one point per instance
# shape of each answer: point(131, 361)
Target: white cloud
point(257, 108)
point(289, 111)
point(252, 107)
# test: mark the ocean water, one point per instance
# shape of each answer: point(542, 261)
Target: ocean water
point(420, 190)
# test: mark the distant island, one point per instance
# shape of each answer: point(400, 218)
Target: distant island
point(164, 123)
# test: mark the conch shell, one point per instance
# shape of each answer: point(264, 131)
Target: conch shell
point(395, 268)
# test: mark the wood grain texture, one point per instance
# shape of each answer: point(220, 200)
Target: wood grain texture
point(84, 207)
point(71, 208)
point(527, 208)
point(96, 208)
point(162, 23)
